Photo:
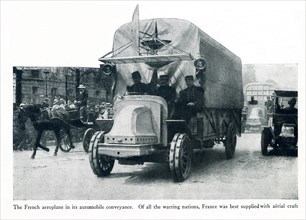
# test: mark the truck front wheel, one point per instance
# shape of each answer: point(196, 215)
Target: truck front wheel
point(180, 157)
point(101, 165)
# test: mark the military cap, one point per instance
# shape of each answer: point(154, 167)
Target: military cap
point(136, 74)
point(189, 77)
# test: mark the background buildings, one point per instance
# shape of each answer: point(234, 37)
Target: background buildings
point(35, 84)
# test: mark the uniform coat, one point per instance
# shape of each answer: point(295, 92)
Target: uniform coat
point(193, 94)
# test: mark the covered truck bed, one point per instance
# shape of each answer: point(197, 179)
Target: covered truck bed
point(223, 87)
point(223, 95)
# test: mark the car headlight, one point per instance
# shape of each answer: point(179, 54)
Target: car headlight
point(287, 130)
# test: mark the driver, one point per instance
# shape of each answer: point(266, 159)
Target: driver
point(291, 107)
point(138, 86)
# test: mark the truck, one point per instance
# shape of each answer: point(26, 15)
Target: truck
point(141, 130)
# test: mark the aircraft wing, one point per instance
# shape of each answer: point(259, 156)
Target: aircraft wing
point(148, 59)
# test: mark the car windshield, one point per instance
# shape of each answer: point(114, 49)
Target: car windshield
point(283, 102)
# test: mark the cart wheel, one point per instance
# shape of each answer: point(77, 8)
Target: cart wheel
point(180, 157)
point(230, 141)
point(265, 141)
point(65, 145)
point(101, 165)
point(86, 138)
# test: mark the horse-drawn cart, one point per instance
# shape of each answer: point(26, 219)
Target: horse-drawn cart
point(94, 124)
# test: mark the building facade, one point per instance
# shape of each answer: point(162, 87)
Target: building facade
point(260, 91)
point(32, 85)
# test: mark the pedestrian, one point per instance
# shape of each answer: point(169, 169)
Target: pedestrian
point(269, 104)
point(21, 127)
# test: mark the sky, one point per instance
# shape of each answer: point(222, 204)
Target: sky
point(77, 33)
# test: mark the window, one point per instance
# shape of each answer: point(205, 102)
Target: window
point(34, 90)
point(53, 91)
point(35, 73)
point(34, 94)
point(97, 93)
point(70, 92)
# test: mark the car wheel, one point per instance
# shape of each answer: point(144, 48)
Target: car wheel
point(230, 141)
point(265, 141)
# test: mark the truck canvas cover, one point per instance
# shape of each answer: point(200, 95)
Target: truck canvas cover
point(223, 85)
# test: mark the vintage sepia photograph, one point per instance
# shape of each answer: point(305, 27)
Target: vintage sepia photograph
point(152, 109)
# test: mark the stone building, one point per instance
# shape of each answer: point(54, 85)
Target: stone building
point(34, 84)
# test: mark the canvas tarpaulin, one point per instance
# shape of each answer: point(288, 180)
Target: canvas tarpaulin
point(223, 86)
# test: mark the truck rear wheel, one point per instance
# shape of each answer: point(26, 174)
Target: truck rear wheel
point(230, 141)
point(101, 165)
point(180, 157)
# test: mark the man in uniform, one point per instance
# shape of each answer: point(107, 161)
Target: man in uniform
point(190, 101)
point(166, 91)
point(138, 86)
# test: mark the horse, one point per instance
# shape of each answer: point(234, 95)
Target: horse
point(42, 122)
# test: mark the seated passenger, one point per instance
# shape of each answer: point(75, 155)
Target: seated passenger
point(59, 111)
point(166, 91)
point(190, 101)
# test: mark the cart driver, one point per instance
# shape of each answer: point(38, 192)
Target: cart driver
point(190, 101)
point(82, 102)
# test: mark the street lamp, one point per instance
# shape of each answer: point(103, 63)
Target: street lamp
point(66, 74)
point(46, 72)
